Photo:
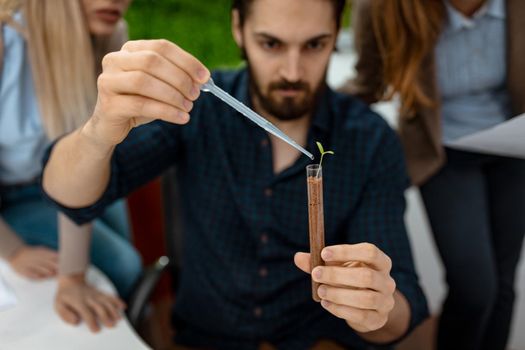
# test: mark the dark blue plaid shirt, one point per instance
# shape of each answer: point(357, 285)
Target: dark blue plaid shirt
point(243, 223)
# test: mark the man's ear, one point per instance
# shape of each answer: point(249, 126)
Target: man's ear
point(236, 28)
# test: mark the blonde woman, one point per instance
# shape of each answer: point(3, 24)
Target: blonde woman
point(458, 68)
point(50, 55)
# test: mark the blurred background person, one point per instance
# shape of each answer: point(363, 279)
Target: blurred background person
point(51, 53)
point(457, 67)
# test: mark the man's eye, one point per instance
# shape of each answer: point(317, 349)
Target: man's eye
point(314, 45)
point(270, 44)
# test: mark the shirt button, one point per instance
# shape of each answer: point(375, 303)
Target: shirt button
point(264, 142)
point(264, 238)
point(257, 312)
point(268, 192)
point(263, 272)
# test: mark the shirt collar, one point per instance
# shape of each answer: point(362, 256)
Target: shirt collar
point(458, 21)
point(497, 9)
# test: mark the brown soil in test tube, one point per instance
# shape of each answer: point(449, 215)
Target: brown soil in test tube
point(316, 225)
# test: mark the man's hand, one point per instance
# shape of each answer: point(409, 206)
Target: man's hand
point(144, 81)
point(355, 285)
point(34, 262)
point(76, 301)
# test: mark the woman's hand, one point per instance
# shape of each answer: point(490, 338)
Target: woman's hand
point(34, 262)
point(77, 301)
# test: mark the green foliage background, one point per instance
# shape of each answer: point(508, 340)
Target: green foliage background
point(201, 27)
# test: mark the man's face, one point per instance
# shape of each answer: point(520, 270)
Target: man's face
point(287, 44)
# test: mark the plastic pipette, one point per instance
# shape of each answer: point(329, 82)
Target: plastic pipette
point(250, 114)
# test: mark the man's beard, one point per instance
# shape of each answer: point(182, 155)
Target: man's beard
point(287, 108)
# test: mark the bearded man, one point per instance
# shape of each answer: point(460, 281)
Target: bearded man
point(244, 191)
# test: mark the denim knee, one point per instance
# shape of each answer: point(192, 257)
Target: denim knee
point(124, 271)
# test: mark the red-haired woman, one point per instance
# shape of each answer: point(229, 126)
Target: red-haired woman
point(458, 68)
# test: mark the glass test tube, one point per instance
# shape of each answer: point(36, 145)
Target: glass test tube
point(314, 180)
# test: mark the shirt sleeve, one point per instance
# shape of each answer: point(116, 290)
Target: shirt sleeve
point(145, 154)
point(379, 218)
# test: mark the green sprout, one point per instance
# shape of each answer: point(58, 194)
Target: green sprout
point(323, 152)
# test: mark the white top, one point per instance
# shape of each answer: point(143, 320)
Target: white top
point(471, 71)
point(22, 138)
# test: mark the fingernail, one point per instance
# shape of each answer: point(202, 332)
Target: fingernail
point(188, 105)
point(202, 74)
point(325, 303)
point(185, 117)
point(327, 254)
point(321, 291)
point(195, 91)
point(317, 273)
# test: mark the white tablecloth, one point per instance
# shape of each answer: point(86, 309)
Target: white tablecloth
point(33, 324)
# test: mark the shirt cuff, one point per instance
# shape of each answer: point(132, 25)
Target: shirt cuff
point(84, 215)
point(416, 301)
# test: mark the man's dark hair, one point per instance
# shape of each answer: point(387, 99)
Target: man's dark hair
point(243, 6)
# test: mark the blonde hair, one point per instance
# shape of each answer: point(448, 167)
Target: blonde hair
point(407, 32)
point(62, 62)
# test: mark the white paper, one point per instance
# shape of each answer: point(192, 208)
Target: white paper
point(505, 139)
point(7, 297)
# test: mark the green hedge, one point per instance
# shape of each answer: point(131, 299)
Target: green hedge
point(201, 27)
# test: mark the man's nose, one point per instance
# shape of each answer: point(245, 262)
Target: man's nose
point(291, 69)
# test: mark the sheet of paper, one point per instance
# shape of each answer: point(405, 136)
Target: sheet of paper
point(505, 139)
point(7, 297)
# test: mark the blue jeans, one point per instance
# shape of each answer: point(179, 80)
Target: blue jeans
point(35, 221)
